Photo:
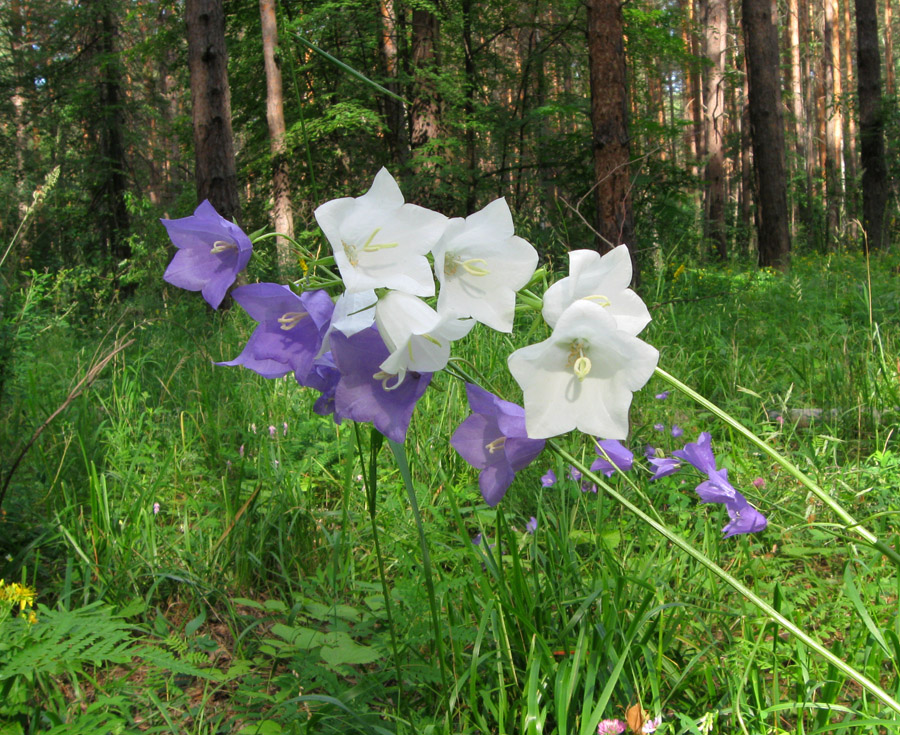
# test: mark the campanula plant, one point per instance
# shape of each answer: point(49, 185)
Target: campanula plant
point(414, 282)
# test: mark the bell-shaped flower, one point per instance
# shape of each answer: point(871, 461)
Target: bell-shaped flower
point(211, 252)
point(602, 280)
point(583, 376)
point(717, 489)
point(481, 264)
point(381, 242)
point(493, 439)
point(290, 330)
point(365, 392)
point(417, 336)
point(612, 457)
point(744, 517)
point(323, 377)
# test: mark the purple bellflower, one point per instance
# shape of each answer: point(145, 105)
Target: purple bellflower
point(290, 329)
point(663, 466)
point(531, 526)
point(612, 456)
point(493, 439)
point(549, 479)
point(323, 377)
point(717, 489)
point(211, 252)
point(365, 393)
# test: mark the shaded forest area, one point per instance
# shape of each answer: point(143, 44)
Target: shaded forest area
point(600, 123)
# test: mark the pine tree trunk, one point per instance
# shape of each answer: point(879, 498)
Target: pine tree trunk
point(215, 168)
point(114, 219)
point(767, 131)
point(871, 124)
point(849, 119)
point(282, 210)
point(801, 141)
point(714, 17)
point(834, 147)
point(889, 48)
point(609, 124)
point(398, 137)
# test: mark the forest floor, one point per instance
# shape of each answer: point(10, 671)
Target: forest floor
point(205, 559)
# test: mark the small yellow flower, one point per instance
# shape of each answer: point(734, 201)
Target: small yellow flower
point(16, 593)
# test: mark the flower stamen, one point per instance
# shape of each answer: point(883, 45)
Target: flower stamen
point(384, 378)
point(371, 247)
point(578, 360)
point(290, 319)
point(220, 246)
point(496, 445)
point(599, 299)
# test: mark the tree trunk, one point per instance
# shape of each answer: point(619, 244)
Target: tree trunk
point(609, 125)
point(889, 48)
point(211, 101)
point(282, 210)
point(798, 108)
point(425, 108)
point(114, 218)
point(834, 146)
point(398, 138)
point(767, 130)
point(871, 124)
point(714, 16)
point(849, 118)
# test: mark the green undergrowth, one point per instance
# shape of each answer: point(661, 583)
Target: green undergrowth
point(248, 600)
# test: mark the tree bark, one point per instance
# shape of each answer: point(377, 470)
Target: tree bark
point(871, 124)
point(849, 118)
point(834, 146)
point(798, 108)
point(609, 124)
point(282, 210)
point(714, 17)
point(767, 131)
point(398, 137)
point(425, 107)
point(215, 172)
point(114, 218)
point(889, 48)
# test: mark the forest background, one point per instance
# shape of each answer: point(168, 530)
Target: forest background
point(197, 533)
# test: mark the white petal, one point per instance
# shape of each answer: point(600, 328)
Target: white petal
point(481, 265)
point(556, 401)
point(380, 242)
point(605, 280)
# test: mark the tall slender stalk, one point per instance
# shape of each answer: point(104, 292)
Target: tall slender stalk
point(399, 452)
point(370, 478)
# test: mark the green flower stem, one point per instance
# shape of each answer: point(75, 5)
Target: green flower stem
point(851, 524)
point(403, 465)
point(370, 478)
point(732, 582)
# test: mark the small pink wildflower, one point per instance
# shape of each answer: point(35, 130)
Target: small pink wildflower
point(156, 509)
point(271, 432)
point(651, 725)
point(610, 727)
point(284, 428)
point(758, 483)
point(241, 451)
